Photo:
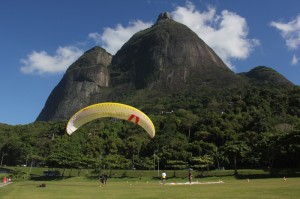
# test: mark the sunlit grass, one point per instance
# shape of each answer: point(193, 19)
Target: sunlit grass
point(83, 188)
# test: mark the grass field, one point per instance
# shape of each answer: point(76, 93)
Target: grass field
point(84, 188)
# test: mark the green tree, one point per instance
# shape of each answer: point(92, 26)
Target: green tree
point(176, 165)
point(188, 119)
point(201, 162)
point(235, 150)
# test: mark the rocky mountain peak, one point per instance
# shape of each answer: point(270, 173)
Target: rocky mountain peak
point(92, 57)
point(163, 16)
point(168, 55)
point(85, 82)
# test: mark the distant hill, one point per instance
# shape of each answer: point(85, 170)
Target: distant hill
point(262, 75)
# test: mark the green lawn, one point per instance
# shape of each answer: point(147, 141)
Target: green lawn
point(84, 188)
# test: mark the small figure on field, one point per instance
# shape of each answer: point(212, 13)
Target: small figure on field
point(42, 185)
point(103, 179)
point(190, 176)
point(163, 177)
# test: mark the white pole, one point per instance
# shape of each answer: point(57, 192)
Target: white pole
point(4, 154)
point(154, 160)
point(157, 166)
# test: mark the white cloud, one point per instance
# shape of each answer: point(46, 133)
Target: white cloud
point(41, 62)
point(113, 39)
point(294, 60)
point(290, 32)
point(226, 33)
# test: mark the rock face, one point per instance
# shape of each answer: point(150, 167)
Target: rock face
point(85, 82)
point(168, 55)
point(162, 16)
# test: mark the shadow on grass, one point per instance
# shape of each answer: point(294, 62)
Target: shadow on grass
point(280, 173)
point(5, 170)
point(116, 175)
point(48, 178)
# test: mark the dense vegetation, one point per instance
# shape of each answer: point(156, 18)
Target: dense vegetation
point(204, 128)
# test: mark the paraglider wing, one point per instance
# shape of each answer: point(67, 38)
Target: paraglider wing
point(110, 109)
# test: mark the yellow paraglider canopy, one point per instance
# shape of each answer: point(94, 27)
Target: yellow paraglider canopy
point(110, 109)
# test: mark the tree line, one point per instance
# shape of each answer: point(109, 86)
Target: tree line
point(254, 127)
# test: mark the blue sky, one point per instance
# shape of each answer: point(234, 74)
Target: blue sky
point(41, 38)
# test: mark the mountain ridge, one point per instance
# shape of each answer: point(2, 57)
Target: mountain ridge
point(167, 57)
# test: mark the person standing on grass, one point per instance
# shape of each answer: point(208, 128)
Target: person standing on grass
point(103, 179)
point(190, 176)
point(163, 177)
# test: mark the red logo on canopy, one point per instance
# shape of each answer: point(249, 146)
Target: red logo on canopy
point(137, 119)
